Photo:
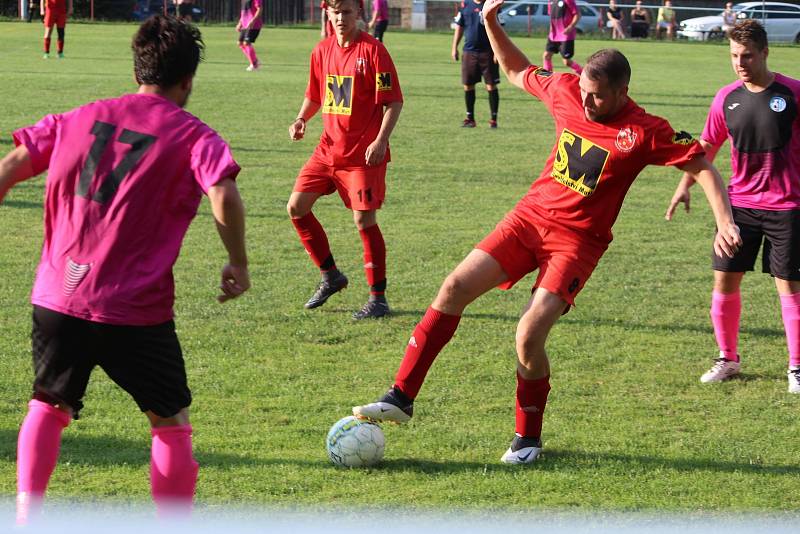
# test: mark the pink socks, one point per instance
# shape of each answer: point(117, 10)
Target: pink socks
point(250, 53)
point(790, 309)
point(576, 68)
point(547, 65)
point(726, 309)
point(173, 470)
point(37, 454)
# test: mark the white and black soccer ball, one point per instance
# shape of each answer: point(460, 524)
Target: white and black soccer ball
point(353, 442)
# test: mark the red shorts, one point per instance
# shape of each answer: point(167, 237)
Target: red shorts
point(565, 259)
point(361, 188)
point(55, 17)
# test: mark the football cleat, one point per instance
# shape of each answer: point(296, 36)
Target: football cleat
point(254, 67)
point(468, 123)
point(394, 407)
point(325, 290)
point(493, 124)
point(794, 379)
point(373, 309)
point(723, 369)
point(61, 55)
point(46, 56)
point(522, 450)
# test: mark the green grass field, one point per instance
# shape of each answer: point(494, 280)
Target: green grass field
point(628, 426)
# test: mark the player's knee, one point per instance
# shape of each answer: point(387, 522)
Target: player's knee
point(296, 211)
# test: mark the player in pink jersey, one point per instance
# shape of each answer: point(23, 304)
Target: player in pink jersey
point(760, 115)
point(249, 26)
point(124, 180)
point(561, 227)
point(353, 80)
point(564, 18)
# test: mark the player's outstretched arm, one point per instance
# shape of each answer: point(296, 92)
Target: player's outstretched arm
point(228, 209)
point(727, 240)
point(376, 151)
point(15, 168)
point(297, 130)
point(511, 59)
point(682, 194)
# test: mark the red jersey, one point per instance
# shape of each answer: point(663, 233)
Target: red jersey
point(56, 5)
point(352, 85)
point(593, 164)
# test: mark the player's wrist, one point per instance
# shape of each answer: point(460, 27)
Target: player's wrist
point(301, 119)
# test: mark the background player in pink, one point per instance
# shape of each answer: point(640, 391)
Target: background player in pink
point(380, 18)
point(124, 180)
point(54, 13)
point(249, 26)
point(564, 17)
point(561, 227)
point(759, 115)
point(352, 78)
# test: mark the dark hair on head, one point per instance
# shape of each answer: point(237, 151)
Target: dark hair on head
point(336, 3)
point(166, 51)
point(611, 64)
point(749, 31)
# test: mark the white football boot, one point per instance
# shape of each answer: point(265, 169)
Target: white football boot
point(522, 450)
point(794, 379)
point(394, 407)
point(723, 369)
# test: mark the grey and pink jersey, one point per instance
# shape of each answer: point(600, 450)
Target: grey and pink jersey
point(764, 132)
point(125, 179)
point(248, 12)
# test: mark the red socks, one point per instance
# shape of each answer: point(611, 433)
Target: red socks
point(531, 401)
point(726, 310)
point(173, 469)
point(790, 309)
point(47, 45)
point(374, 258)
point(313, 238)
point(429, 338)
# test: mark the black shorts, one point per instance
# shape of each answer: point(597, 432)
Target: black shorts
point(248, 36)
point(477, 65)
point(780, 233)
point(380, 29)
point(145, 361)
point(565, 48)
point(185, 10)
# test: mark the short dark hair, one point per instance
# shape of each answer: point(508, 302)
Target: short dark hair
point(611, 64)
point(336, 3)
point(166, 51)
point(749, 31)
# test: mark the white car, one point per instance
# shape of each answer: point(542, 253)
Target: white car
point(781, 20)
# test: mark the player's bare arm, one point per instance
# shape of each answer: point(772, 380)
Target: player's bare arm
point(574, 22)
point(228, 210)
point(511, 59)
point(727, 240)
point(297, 130)
point(682, 194)
point(459, 32)
point(14, 168)
point(377, 149)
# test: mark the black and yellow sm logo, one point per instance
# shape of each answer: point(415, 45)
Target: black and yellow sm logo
point(579, 163)
point(338, 95)
point(383, 81)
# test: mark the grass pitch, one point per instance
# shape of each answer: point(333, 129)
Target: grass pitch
point(628, 426)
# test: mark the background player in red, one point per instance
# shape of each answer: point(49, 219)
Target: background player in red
point(54, 13)
point(124, 180)
point(249, 26)
point(352, 78)
point(760, 115)
point(561, 227)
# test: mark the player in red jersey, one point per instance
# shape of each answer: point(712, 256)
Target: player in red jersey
point(54, 13)
point(562, 226)
point(125, 177)
point(352, 78)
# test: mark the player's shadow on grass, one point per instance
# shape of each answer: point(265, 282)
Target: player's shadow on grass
point(26, 204)
point(659, 328)
point(419, 313)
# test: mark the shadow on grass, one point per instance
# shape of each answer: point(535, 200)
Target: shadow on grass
point(674, 328)
point(24, 204)
point(111, 451)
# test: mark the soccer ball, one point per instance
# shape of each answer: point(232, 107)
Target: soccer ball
point(352, 442)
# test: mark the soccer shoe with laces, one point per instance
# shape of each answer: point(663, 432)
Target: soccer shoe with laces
point(325, 290)
point(522, 450)
point(493, 124)
point(394, 407)
point(723, 369)
point(468, 123)
point(373, 309)
point(794, 379)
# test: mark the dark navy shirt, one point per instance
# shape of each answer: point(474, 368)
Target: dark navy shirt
point(469, 18)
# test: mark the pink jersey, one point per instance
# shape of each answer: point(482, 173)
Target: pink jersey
point(381, 7)
point(249, 8)
point(125, 178)
point(561, 14)
point(764, 132)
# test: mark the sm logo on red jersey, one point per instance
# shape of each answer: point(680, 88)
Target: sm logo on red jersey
point(579, 163)
point(338, 95)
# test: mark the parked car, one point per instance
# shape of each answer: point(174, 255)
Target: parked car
point(144, 8)
point(781, 20)
point(514, 17)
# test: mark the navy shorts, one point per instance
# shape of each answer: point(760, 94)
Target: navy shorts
point(145, 361)
point(779, 231)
